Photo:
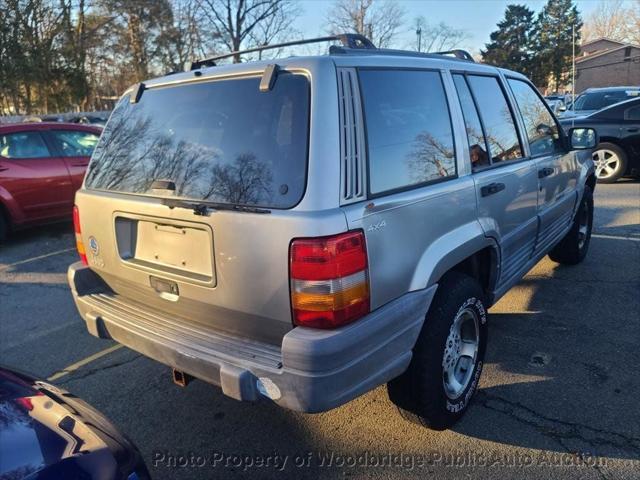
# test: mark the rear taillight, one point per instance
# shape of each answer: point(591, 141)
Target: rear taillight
point(329, 280)
point(76, 227)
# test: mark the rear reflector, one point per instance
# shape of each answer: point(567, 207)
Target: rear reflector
point(329, 280)
point(76, 227)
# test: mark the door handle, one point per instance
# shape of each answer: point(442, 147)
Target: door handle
point(632, 130)
point(545, 172)
point(4, 169)
point(79, 164)
point(491, 189)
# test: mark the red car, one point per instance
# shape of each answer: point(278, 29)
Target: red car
point(41, 167)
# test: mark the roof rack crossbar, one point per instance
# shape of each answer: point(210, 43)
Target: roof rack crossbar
point(349, 40)
point(458, 53)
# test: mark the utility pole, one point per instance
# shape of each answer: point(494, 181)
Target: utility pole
point(573, 68)
point(419, 34)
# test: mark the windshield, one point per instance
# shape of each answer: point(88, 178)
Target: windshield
point(599, 100)
point(220, 141)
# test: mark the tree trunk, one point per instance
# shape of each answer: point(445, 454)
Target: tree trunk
point(137, 46)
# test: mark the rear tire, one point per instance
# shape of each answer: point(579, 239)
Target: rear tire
point(573, 248)
point(436, 389)
point(611, 162)
point(4, 226)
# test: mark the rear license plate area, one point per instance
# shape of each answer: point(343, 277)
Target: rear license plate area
point(168, 247)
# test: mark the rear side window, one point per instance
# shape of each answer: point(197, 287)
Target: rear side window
point(409, 134)
point(75, 143)
point(478, 149)
point(23, 145)
point(499, 126)
point(221, 141)
point(542, 129)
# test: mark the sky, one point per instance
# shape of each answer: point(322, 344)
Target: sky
point(477, 17)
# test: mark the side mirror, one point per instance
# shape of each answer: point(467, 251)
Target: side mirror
point(581, 138)
point(562, 108)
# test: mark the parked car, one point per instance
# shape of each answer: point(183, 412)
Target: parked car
point(618, 126)
point(91, 120)
point(556, 105)
point(49, 433)
point(308, 228)
point(594, 99)
point(558, 102)
point(41, 167)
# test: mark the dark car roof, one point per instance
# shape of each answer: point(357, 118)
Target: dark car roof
point(30, 126)
point(612, 112)
point(611, 89)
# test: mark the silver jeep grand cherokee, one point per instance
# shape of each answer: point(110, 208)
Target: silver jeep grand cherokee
point(306, 229)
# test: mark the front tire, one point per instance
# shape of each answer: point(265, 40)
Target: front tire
point(611, 162)
point(437, 387)
point(573, 248)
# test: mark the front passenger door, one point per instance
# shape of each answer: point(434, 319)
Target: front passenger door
point(557, 167)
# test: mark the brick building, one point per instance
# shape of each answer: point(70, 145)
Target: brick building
point(607, 63)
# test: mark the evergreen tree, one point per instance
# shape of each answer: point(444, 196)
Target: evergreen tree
point(510, 45)
point(553, 38)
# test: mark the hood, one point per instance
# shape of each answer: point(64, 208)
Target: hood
point(46, 432)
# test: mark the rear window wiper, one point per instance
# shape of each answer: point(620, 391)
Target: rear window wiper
point(203, 208)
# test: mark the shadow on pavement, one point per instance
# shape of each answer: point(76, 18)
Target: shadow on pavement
point(565, 366)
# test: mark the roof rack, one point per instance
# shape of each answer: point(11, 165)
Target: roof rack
point(352, 43)
point(349, 40)
point(456, 54)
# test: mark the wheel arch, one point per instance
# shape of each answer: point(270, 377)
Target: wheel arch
point(614, 141)
point(466, 249)
point(9, 207)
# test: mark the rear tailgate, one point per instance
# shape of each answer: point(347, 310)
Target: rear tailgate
point(227, 271)
point(217, 141)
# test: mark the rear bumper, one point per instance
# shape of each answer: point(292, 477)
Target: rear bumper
point(312, 371)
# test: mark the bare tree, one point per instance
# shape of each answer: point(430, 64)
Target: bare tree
point(613, 19)
point(186, 38)
point(438, 37)
point(634, 21)
point(378, 20)
point(431, 157)
point(234, 21)
point(277, 28)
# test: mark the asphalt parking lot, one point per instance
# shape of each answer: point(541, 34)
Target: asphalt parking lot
point(561, 378)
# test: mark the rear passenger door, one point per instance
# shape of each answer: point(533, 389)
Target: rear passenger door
point(74, 147)
point(38, 182)
point(557, 166)
point(506, 182)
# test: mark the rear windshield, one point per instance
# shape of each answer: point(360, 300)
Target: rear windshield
point(221, 141)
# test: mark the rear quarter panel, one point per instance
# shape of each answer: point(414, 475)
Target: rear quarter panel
point(414, 237)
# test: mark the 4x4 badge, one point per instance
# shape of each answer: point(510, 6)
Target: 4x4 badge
point(376, 226)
